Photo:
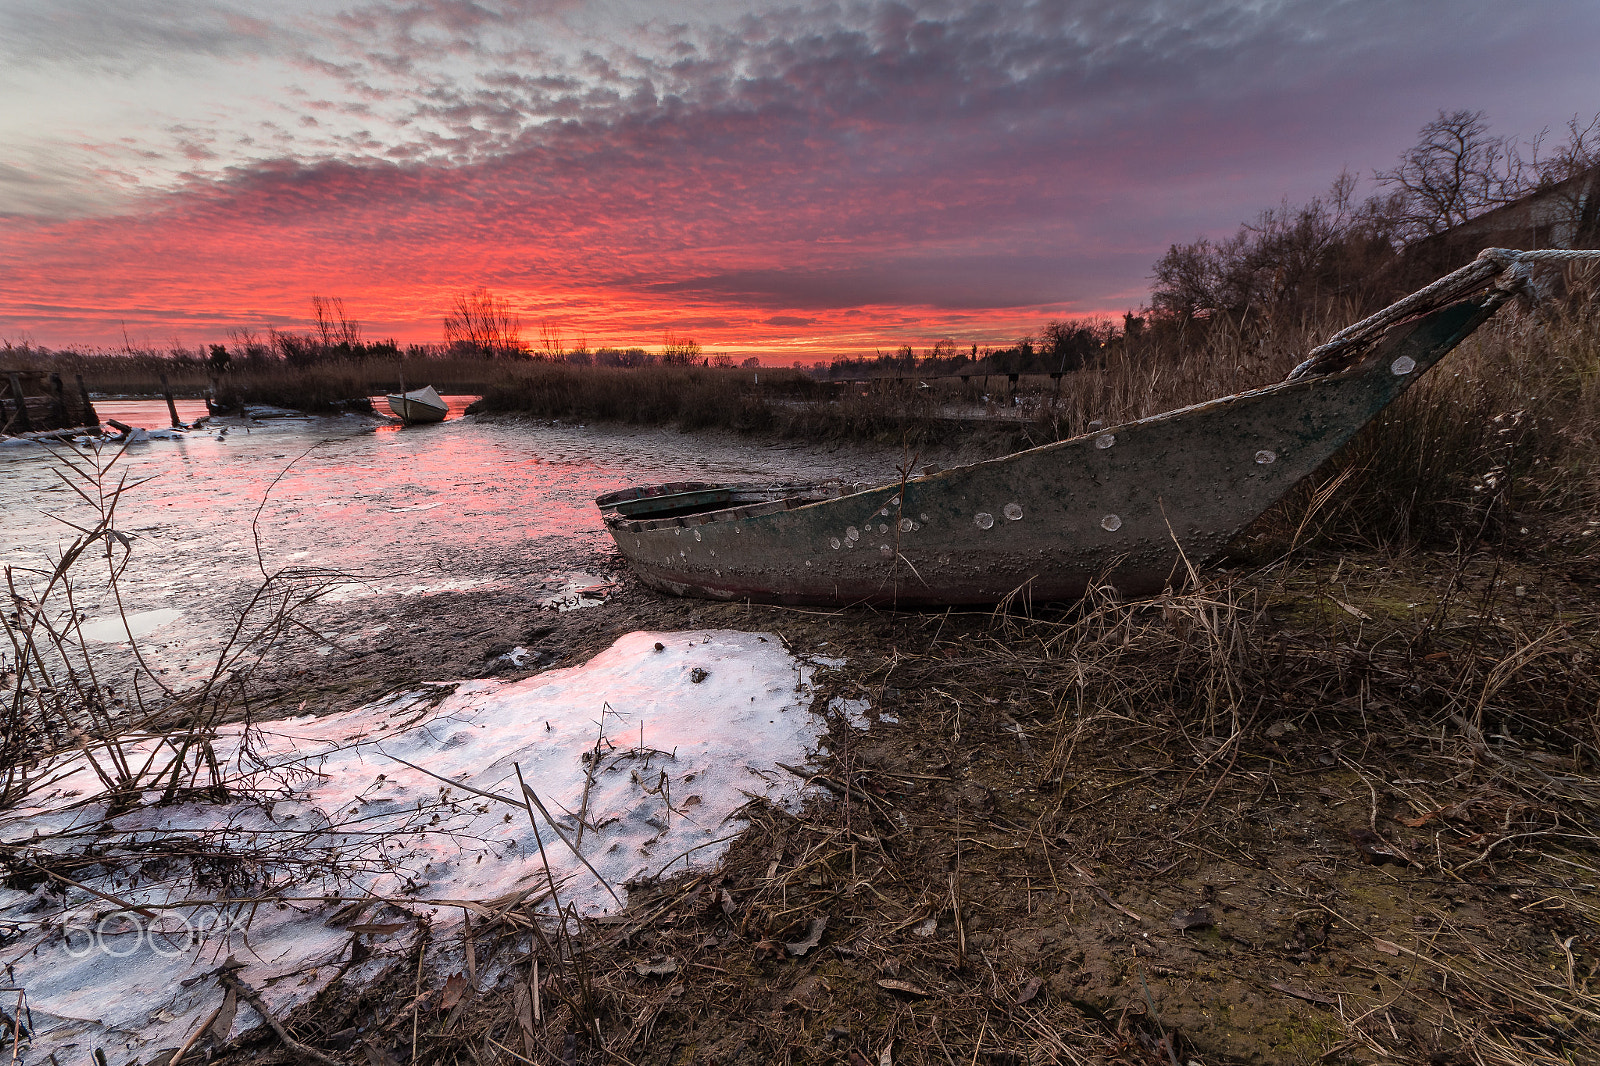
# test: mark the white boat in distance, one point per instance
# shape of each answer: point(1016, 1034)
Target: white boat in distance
point(418, 405)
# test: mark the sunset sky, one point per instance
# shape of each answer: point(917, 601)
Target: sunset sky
point(790, 179)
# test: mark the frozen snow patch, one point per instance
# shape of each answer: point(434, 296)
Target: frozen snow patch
point(577, 591)
point(852, 711)
point(643, 757)
point(115, 629)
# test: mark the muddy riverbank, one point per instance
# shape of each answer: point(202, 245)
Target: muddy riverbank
point(1329, 811)
point(1335, 809)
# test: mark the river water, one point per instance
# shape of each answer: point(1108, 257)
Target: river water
point(409, 510)
point(464, 504)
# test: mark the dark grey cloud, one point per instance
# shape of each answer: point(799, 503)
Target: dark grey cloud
point(129, 35)
point(819, 162)
point(957, 155)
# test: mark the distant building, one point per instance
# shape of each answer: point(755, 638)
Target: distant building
point(1563, 215)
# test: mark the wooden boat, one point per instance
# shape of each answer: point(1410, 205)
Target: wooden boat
point(418, 405)
point(1125, 506)
point(37, 401)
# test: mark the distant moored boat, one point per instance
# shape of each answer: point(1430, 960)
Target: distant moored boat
point(418, 405)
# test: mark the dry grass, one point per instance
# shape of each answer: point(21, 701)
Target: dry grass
point(1335, 813)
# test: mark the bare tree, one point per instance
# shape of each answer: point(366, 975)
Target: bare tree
point(1571, 178)
point(335, 329)
point(1580, 152)
point(483, 323)
point(1191, 279)
point(1456, 170)
point(1289, 257)
point(551, 346)
point(677, 350)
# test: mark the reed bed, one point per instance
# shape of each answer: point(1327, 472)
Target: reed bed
point(1502, 436)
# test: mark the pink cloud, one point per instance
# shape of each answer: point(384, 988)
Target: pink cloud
point(860, 180)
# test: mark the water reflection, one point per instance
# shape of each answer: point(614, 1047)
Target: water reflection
point(456, 407)
point(458, 504)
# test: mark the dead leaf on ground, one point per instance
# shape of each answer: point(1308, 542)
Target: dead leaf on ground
point(377, 1056)
point(523, 1006)
point(813, 937)
point(657, 966)
point(1375, 850)
point(223, 1025)
point(1353, 611)
point(454, 987)
point(377, 928)
point(903, 986)
point(1387, 947)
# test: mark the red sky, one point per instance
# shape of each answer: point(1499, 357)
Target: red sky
point(819, 180)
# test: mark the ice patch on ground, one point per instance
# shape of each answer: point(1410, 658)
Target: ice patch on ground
point(646, 753)
point(575, 591)
point(116, 628)
point(364, 589)
point(852, 711)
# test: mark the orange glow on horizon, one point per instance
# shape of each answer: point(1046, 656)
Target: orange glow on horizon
point(396, 245)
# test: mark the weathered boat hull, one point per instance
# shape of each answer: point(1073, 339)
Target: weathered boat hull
point(1123, 507)
point(418, 405)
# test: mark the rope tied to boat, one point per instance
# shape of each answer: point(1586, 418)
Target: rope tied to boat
point(1510, 269)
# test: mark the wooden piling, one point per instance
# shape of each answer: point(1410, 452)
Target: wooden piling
point(90, 418)
point(172, 408)
point(58, 401)
point(24, 425)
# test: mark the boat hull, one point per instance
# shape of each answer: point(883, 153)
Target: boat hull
point(1127, 507)
point(420, 405)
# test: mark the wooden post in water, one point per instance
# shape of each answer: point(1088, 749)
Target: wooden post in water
point(23, 424)
point(90, 418)
point(172, 408)
point(58, 408)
